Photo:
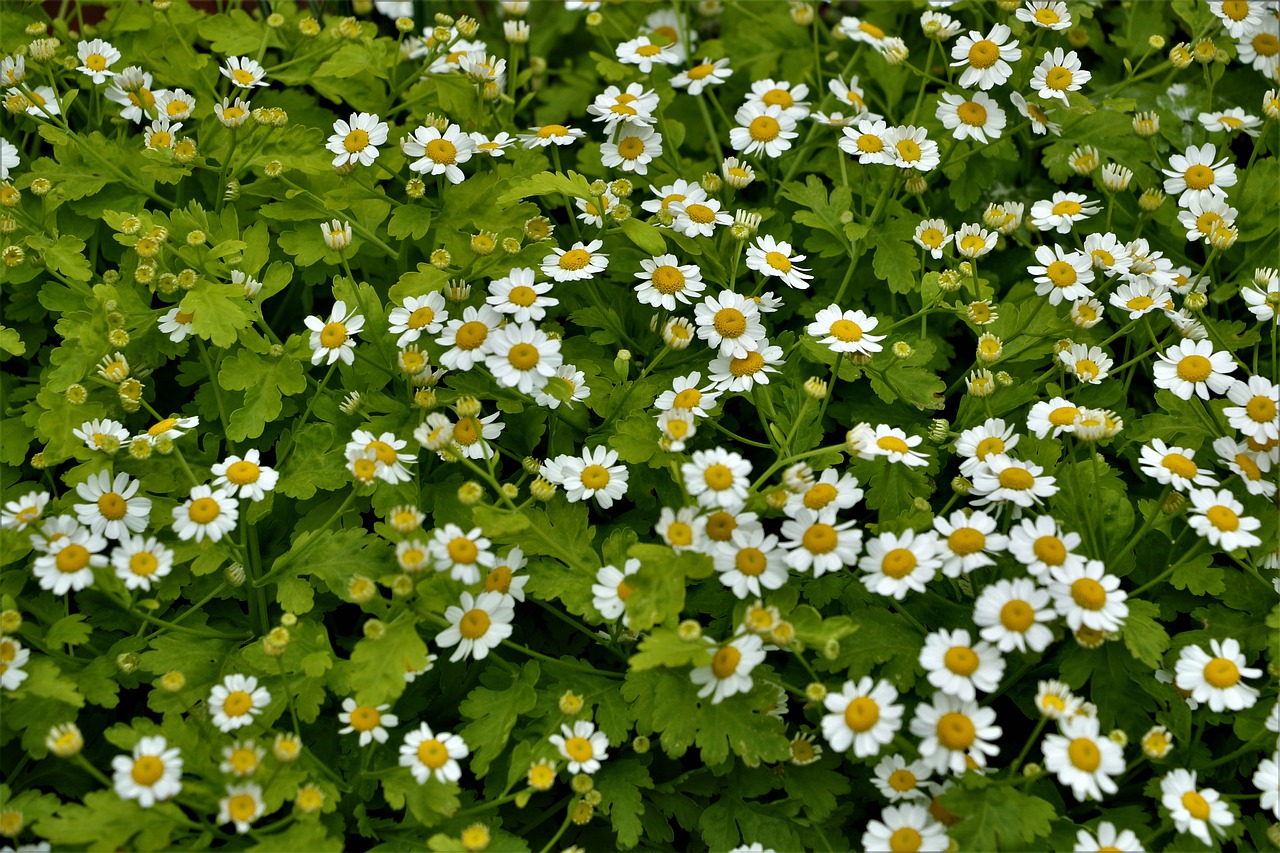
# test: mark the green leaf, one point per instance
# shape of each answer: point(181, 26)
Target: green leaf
point(645, 236)
point(824, 214)
point(64, 255)
point(106, 822)
point(660, 584)
point(69, 630)
point(11, 342)
point(1199, 576)
point(493, 710)
point(375, 672)
point(232, 34)
point(266, 381)
point(312, 464)
point(660, 701)
point(636, 437)
point(883, 638)
point(996, 817)
point(1143, 635)
point(816, 788)
point(430, 803)
point(409, 221)
point(895, 257)
point(753, 734)
point(45, 679)
point(219, 311)
point(496, 522)
point(337, 557)
point(573, 185)
point(619, 784)
point(664, 647)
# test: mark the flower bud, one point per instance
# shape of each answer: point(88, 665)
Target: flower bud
point(570, 703)
point(581, 783)
point(816, 388)
point(65, 740)
point(640, 745)
point(374, 629)
point(10, 622)
point(127, 662)
point(689, 630)
point(816, 691)
point(287, 748)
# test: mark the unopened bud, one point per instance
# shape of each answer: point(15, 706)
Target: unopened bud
point(374, 629)
point(689, 630)
point(570, 703)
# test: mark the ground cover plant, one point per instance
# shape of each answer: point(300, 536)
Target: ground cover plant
point(698, 425)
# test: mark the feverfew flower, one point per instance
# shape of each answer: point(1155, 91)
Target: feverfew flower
point(1196, 175)
point(664, 281)
point(1216, 681)
point(520, 296)
point(1216, 516)
point(906, 827)
point(985, 58)
point(477, 624)
point(775, 258)
point(1057, 74)
point(577, 263)
point(594, 474)
point(729, 672)
point(960, 668)
point(236, 701)
point(706, 73)
point(461, 553)
point(95, 57)
point(979, 118)
point(152, 775)
point(820, 542)
point(895, 564)
point(1062, 211)
point(1013, 615)
point(632, 150)
point(718, 478)
point(583, 746)
point(1083, 759)
point(206, 514)
point(766, 130)
point(355, 142)
point(243, 72)
point(1173, 465)
point(1046, 14)
point(1256, 413)
point(113, 509)
point(334, 340)
point(956, 734)
point(1194, 810)
point(1193, 367)
point(428, 754)
point(1088, 596)
point(369, 721)
point(644, 54)
point(521, 356)
point(246, 474)
point(141, 560)
point(966, 541)
point(863, 717)
point(439, 153)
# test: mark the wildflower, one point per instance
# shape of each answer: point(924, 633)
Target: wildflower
point(1062, 211)
point(439, 153)
point(519, 296)
point(910, 148)
point(1194, 810)
point(634, 106)
point(905, 827)
point(64, 740)
point(729, 672)
point(1057, 74)
point(247, 474)
point(355, 142)
point(1083, 760)
point(612, 589)
point(985, 58)
point(895, 564)
point(973, 241)
point(1157, 742)
point(859, 30)
point(1193, 367)
point(1085, 595)
point(1256, 413)
point(95, 58)
point(493, 146)
point(580, 262)
point(521, 356)
point(897, 780)
point(207, 513)
point(767, 130)
point(1046, 14)
point(152, 775)
point(706, 73)
point(933, 235)
point(816, 541)
point(664, 282)
point(1217, 680)
point(863, 716)
point(1012, 613)
point(13, 657)
point(551, 134)
point(977, 118)
point(1196, 176)
point(24, 511)
point(717, 478)
point(1003, 479)
point(895, 445)
point(966, 542)
point(369, 721)
point(244, 73)
point(780, 93)
point(236, 701)
point(956, 734)
point(241, 758)
point(831, 489)
point(694, 217)
point(1036, 114)
point(1089, 365)
point(141, 560)
point(1241, 19)
point(1173, 465)
point(582, 746)
point(749, 562)
point(69, 560)
point(460, 553)
point(957, 668)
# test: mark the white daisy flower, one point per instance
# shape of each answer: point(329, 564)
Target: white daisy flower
point(241, 806)
point(905, 827)
point(1002, 479)
point(247, 474)
point(939, 26)
point(750, 562)
point(1088, 596)
point(665, 281)
point(521, 356)
point(502, 578)
point(243, 72)
point(611, 590)
point(634, 106)
point(112, 510)
point(1247, 464)
point(1261, 49)
point(730, 323)
point(369, 721)
point(439, 153)
point(685, 394)
point(644, 54)
point(741, 374)
point(985, 58)
point(1089, 365)
point(9, 158)
point(1057, 74)
point(1055, 416)
point(13, 657)
point(1196, 175)
point(334, 340)
point(863, 717)
point(174, 106)
point(978, 117)
point(1256, 413)
point(718, 478)
point(956, 667)
point(69, 561)
point(1107, 839)
point(1012, 614)
point(1216, 516)
point(776, 258)
point(1082, 759)
point(1217, 680)
point(819, 542)
point(1194, 810)
point(477, 625)
point(460, 553)
point(966, 541)
point(578, 263)
point(632, 150)
point(1107, 254)
point(582, 746)
point(390, 465)
point(897, 779)
point(231, 113)
point(236, 701)
point(858, 30)
point(683, 529)
point(551, 134)
point(468, 337)
point(1193, 367)
point(355, 142)
point(896, 563)
point(40, 101)
point(677, 426)
point(1036, 114)
point(830, 490)
point(974, 241)
point(493, 146)
point(141, 560)
point(763, 130)
point(895, 445)
point(24, 511)
point(152, 775)
point(1041, 545)
point(1046, 14)
point(518, 295)
point(696, 217)
point(975, 444)
point(846, 331)
point(910, 148)
point(1266, 778)
point(866, 141)
point(706, 73)
point(780, 93)
point(956, 734)
point(1061, 275)
point(95, 58)
point(1173, 465)
point(1138, 299)
point(729, 672)
point(206, 514)
point(933, 235)
point(1201, 217)
point(1062, 211)
point(1241, 18)
point(427, 754)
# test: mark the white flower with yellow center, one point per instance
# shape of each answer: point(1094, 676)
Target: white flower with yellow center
point(416, 316)
point(1036, 114)
point(645, 54)
point(460, 553)
point(730, 323)
point(1140, 298)
point(831, 489)
point(1202, 216)
point(718, 478)
point(819, 542)
point(1053, 417)
point(973, 241)
point(632, 150)
point(577, 263)
point(1046, 14)
point(846, 331)
point(355, 142)
point(241, 758)
point(159, 135)
point(493, 146)
point(1194, 810)
point(151, 775)
point(566, 385)
point(1194, 367)
point(956, 734)
point(742, 373)
point(1107, 254)
point(206, 514)
point(334, 339)
point(1001, 479)
point(53, 530)
point(777, 259)
point(849, 94)
point(897, 563)
point(1217, 679)
point(1041, 545)
point(633, 106)
point(519, 296)
point(370, 722)
point(966, 542)
point(897, 779)
point(502, 578)
point(985, 59)
point(96, 57)
point(594, 474)
point(1246, 463)
point(763, 130)
point(413, 556)
point(1261, 50)
point(1062, 211)
point(1241, 18)
point(241, 806)
point(13, 657)
point(694, 217)
point(1196, 175)
point(866, 141)
point(1173, 466)
point(69, 562)
point(140, 561)
point(1057, 74)
point(1089, 365)
point(1087, 596)
point(706, 73)
point(1061, 275)
point(521, 356)
point(685, 394)
point(24, 511)
point(1083, 759)
point(856, 29)
point(477, 624)
point(243, 72)
point(582, 746)
point(683, 529)
point(468, 337)
point(863, 717)
point(232, 113)
point(131, 89)
point(906, 828)
point(750, 562)
point(958, 667)
point(1013, 615)
point(975, 444)
point(780, 93)
point(246, 474)
point(101, 434)
point(236, 701)
point(1266, 778)
point(895, 445)
point(978, 117)
point(729, 672)
point(551, 134)
point(428, 754)
point(910, 148)
point(1055, 701)
point(1216, 516)
point(612, 588)
point(933, 235)
point(1256, 413)
point(1108, 840)
point(439, 153)
point(664, 281)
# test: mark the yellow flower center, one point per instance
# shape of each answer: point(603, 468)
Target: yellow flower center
point(751, 562)
point(1067, 208)
point(549, 131)
point(898, 563)
point(244, 761)
point(631, 148)
point(147, 770)
point(595, 476)
point(1180, 465)
point(237, 703)
point(625, 590)
point(700, 72)
point(96, 62)
point(725, 662)
point(357, 140)
point(861, 714)
point(1061, 274)
point(1196, 804)
point(820, 495)
point(668, 279)
point(648, 50)
point(1087, 369)
point(764, 129)
point(1016, 615)
point(720, 526)
point(990, 444)
point(1016, 478)
point(966, 540)
point(1194, 368)
point(365, 718)
point(689, 398)
point(333, 335)
point(1089, 594)
point(243, 473)
point(1058, 78)
point(905, 839)
point(778, 261)
point(523, 356)
point(1266, 44)
point(1236, 10)
point(730, 322)
point(462, 550)
point(908, 150)
point(871, 30)
point(244, 78)
point(961, 660)
point(112, 506)
point(579, 749)
point(821, 539)
point(162, 427)
point(892, 444)
point(522, 295)
point(1084, 754)
point(1221, 673)
point(1260, 409)
point(972, 114)
point(1199, 177)
point(955, 731)
point(143, 564)
point(1223, 518)
point(1047, 17)
point(466, 432)
point(778, 98)
point(931, 237)
point(984, 54)
point(474, 624)
point(433, 753)
point(575, 259)
point(869, 143)
point(718, 477)
point(203, 510)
